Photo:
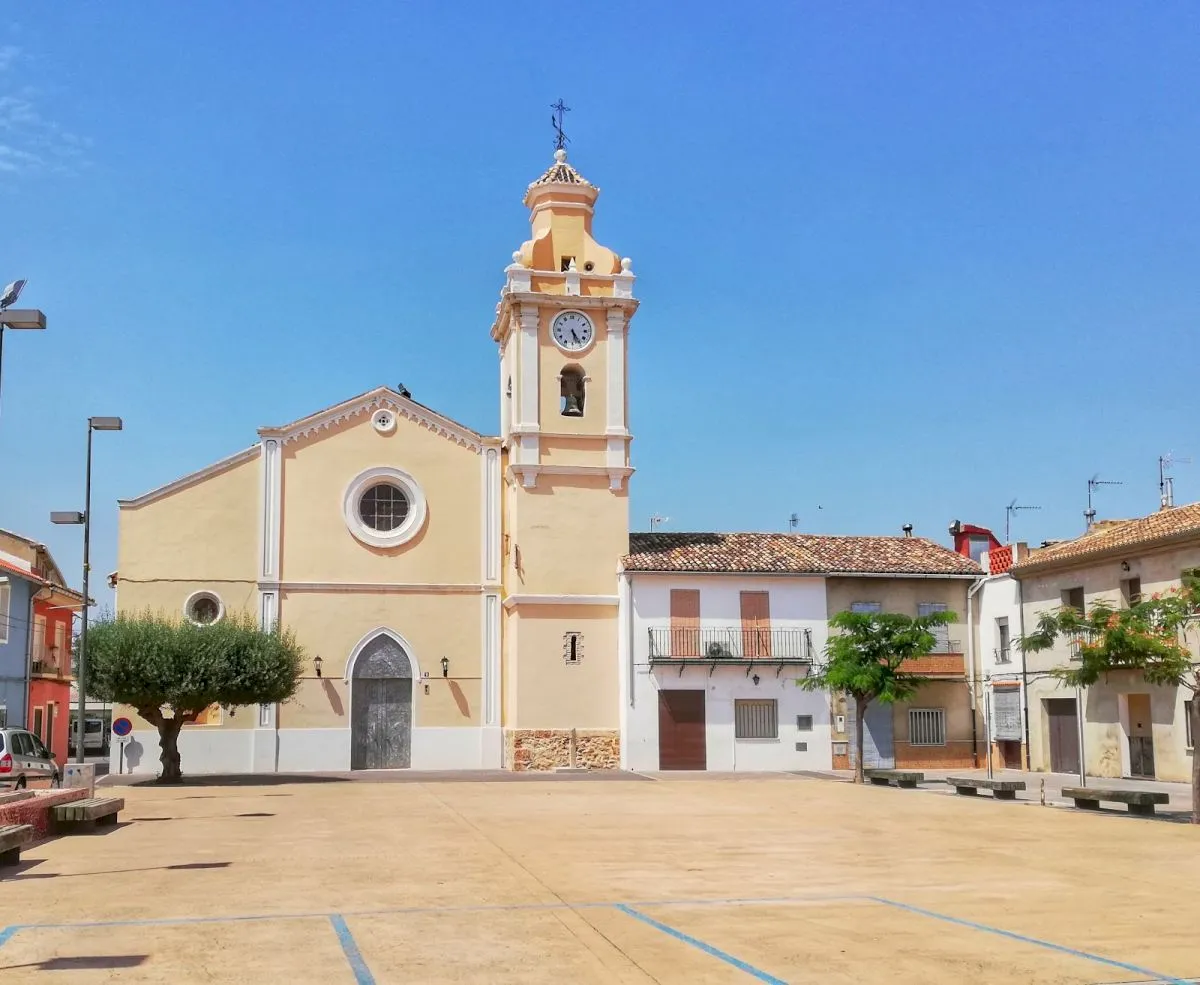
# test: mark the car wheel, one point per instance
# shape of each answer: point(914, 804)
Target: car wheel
point(20, 783)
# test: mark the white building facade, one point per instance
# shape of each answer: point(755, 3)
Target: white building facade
point(710, 668)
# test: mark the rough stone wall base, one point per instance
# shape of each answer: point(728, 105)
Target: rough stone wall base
point(545, 749)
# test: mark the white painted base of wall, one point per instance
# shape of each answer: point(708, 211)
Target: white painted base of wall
point(309, 750)
point(639, 748)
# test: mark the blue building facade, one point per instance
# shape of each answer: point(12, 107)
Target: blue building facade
point(16, 626)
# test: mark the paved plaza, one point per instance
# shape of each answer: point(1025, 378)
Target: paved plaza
point(636, 879)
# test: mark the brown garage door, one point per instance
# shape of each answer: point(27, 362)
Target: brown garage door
point(681, 730)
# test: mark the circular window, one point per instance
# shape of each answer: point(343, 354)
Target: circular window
point(384, 507)
point(384, 421)
point(203, 608)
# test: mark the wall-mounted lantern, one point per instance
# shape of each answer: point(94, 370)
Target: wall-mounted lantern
point(445, 667)
point(317, 664)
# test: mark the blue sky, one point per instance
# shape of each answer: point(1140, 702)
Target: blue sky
point(898, 263)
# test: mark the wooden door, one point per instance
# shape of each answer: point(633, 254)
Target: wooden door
point(681, 734)
point(1064, 735)
point(756, 624)
point(685, 622)
point(1141, 737)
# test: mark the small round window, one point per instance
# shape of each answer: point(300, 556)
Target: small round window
point(203, 608)
point(384, 507)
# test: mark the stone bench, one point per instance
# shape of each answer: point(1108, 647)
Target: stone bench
point(99, 811)
point(1141, 802)
point(901, 778)
point(12, 837)
point(969, 786)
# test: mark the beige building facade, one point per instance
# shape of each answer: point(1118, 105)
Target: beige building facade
point(1129, 728)
point(455, 593)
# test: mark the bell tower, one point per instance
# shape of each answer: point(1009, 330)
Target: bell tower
point(562, 326)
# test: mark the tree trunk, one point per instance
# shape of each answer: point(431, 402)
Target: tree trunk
point(860, 712)
point(1195, 716)
point(168, 743)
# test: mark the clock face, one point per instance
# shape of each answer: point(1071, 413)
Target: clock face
point(572, 331)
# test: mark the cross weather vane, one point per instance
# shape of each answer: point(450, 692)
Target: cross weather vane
point(560, 138)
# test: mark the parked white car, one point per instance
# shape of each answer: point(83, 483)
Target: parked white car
point(24, 759)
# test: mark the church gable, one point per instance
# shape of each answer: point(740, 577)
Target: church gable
point(371, 404)
point(380, 490)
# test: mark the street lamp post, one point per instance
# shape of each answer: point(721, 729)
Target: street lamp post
point(18, 319)
point(85, 518)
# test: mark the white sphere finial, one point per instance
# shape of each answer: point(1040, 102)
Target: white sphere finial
point(560, 155)
point(626, 265)
point(516, 256)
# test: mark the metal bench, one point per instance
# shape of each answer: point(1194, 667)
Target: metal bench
point(99, 811)
point(1141, 802)
point(969, 786)
point(12, 837)
point(901, 778)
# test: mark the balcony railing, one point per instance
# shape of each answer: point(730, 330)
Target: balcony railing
point(731, 643)
point(947, 646)
point(47, 664)
point(1002, 655)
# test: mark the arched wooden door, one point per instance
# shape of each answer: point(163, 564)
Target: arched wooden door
point(381, 693)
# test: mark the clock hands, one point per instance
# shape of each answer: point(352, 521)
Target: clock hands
point(574, 336)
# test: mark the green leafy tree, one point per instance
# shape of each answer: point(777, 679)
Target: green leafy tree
point(865, 659)
point(171, 671)
point(1149, 638)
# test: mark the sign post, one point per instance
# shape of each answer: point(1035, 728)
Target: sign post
point(121, 728)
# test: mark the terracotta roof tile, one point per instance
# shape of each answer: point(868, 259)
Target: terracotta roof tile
point(561, 173)
point(1178, 522)
point(765, 553)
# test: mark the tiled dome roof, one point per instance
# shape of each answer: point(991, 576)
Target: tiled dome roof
point(561, 173)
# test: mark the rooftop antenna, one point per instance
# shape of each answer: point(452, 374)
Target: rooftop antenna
point(560, 139)
point(793, 522)
point(1166, 486)
point(1009, 510)
point(1093, 483)
point(655, 520)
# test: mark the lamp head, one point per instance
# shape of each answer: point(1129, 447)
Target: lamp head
point(105, 423)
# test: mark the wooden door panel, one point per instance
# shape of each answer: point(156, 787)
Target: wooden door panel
point(685, 622)
point(756, 624)
point(681, 730)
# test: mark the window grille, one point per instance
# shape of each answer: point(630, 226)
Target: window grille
point(926, 727)
point(755, 718)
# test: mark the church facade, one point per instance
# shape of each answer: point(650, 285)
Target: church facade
point(456, 593)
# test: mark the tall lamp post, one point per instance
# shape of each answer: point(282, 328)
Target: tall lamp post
point(85, 518)
point(17, 319)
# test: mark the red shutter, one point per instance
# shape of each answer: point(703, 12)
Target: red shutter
point(756, 624)
point(685, 622)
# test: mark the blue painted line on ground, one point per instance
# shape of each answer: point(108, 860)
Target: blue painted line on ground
point(729, 959)
point(467, 908)
point(7, 933)
point(1154, 976)
point(362, 974)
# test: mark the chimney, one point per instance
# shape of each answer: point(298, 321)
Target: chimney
point(908, 529)
point(1020, 552)
point(1168, 495)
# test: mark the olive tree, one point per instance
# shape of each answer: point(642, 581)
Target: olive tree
point(1149, 638)
point(171, 671)
point(865, 658)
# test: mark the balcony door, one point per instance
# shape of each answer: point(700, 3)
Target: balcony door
point(685, 622)
point(756, 624)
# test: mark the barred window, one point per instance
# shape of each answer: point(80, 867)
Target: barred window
point(755, 719)
point(926, 727)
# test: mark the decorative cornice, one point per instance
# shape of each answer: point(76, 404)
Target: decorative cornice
point(383, 588)
point(514, 600)
point(528, 474)
point(369, 402)
point(192, 478)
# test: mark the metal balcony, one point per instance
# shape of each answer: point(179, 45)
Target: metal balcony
point(733, 645)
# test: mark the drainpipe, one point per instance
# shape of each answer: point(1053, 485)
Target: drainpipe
point(29, 624)
point(1024, 670)
point(975, 587)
